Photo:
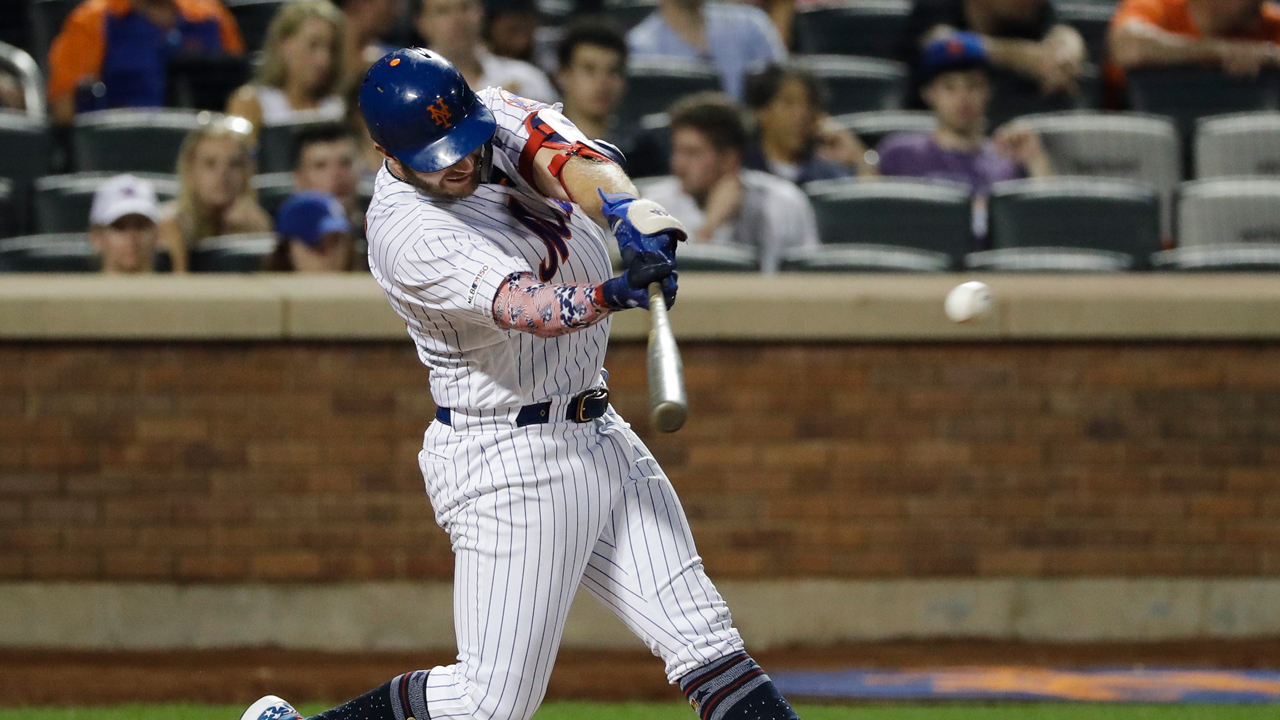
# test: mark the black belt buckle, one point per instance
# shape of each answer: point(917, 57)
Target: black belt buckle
point(589, 405)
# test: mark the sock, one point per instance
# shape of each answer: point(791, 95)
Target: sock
point(403, 698)
point(735, 688)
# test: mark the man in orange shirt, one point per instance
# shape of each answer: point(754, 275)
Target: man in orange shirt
point(1240, 36)
point(113, 53)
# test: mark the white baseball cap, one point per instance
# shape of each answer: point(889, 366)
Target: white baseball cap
point(123, 195)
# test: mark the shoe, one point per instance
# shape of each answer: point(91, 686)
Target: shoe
point(271, 707)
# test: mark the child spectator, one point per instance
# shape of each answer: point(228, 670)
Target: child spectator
point(593, 77)
point(122, 225)
point(797, 139)
point(954, 70)
point(301, 67)
point(452, 28)
point(734, 38)
point(325, 159)
point(1240, 36)
point(215, 165)
point(313, 235)
point(716, 199)
point(113, 53)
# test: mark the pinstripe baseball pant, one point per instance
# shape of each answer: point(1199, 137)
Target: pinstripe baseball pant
point(531, 513)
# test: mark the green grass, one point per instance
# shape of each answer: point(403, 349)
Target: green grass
point(678, 711)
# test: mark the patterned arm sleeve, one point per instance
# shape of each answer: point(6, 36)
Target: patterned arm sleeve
point(547, 310)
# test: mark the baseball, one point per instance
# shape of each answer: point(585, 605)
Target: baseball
point(968, 301)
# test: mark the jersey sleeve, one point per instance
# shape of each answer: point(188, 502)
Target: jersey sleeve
point(455, 273)
point(76, 54)
point(229, 31)
point(524, 127)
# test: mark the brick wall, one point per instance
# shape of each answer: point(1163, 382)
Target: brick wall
point(292, 461)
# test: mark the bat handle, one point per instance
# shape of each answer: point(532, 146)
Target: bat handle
point(668, 404)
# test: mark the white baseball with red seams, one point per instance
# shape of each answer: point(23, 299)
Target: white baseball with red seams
point(535, 511)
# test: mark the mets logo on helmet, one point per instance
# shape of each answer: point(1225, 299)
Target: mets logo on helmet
point(440, 113)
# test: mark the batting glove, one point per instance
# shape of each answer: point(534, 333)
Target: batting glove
point(647, 235)
point(620, 293)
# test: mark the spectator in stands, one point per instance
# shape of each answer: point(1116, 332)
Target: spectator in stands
point(954, 70)
point(326, 159)
point(215, 197)
point(716, 198)
point(452, 28)
point(365, 22)
point(122, 224)
point(1020, 36)
point(593, 76)
point(313, 234)
point(735, 38)
point(1241, 36)
point(796, 138)
point(301, 67)
point(509, 26)
point(112, 53)
point(12, 94)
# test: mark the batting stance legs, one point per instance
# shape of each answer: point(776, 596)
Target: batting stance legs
point(595, 510)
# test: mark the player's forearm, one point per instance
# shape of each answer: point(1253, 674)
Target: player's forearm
point(1137, 43)
point(548, 310)
point(582, 177)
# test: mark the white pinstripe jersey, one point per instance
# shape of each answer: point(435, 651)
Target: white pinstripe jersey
point(441, 264)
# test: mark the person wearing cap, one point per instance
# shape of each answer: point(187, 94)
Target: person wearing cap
point(314, 235)
point(122, 224)
point(956, 89)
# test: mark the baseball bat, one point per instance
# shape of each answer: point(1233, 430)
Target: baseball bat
point(668, 404)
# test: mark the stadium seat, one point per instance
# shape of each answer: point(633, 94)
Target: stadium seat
point(654, 84)
point(232, 253)
point(649, 148)
point(46, 18)
point(1091, 20)
point(864, 258)
point(870, 28)
point(205, 81)
point(254, 17)
point(131, 140)
point(70, 252)
point(62, 202)
point(859, 84)
point(1223, 211)
point(272, 189)
point(1238, 144)
point(8, 209)
point(1189, 93)
point(275, 142)
point(872, 127)
point(1067, 224)
point(717, 258)
point(626, 14)
point(23, 67)
point(1127, 146)
point(1240, 257)
point(26, 147)
point(1013, 95)
point(927, 225)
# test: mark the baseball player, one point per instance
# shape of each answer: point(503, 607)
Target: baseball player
point(484, 232)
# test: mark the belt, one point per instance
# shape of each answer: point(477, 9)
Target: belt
point(584, 407)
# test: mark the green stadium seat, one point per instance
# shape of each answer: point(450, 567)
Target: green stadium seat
point(254, 17)
point(1238, 144)
point(244, 253)
point(275, 142)
point(50, 253)
point(870, 28)
point(26, 147)
point(1226, 224)
point(874, 126)
point(704, 257)
point(653, 84)
point(858, 84)
point(62, 202)
point(131, 140)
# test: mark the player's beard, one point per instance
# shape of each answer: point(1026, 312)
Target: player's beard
point(450, 185)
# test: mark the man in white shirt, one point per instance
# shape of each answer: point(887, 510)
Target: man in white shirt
point(452, 28)
point(720, 202)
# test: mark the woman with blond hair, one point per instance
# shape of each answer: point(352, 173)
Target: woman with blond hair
point(215, 196)
point(301, 69)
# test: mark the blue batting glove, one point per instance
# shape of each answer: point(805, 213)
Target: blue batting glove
point(621, 294)
point(647, 235)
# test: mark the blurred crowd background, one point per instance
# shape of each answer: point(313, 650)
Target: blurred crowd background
point(788, 135)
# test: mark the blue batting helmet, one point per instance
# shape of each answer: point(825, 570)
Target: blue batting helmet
point(418, 107)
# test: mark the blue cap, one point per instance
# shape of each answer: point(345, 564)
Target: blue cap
point(310, 215)
point(954, 51)
point(419, 108)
